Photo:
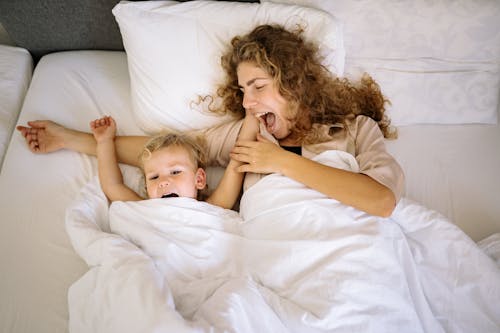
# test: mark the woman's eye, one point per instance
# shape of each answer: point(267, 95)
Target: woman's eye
point(259, 87)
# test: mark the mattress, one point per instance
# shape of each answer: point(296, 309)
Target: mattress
point(451, 169)
point(71, 88)
point(16, 67)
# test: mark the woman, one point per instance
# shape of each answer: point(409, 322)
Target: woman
point(276, 76)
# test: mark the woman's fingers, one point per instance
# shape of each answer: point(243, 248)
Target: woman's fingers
point(42, 136)
point(34, 147)
point(32, 140)
point(238, 149)
point(245, 143)
point(244, 168)
point(38, 123)
point(241, 157)
point(23, 130)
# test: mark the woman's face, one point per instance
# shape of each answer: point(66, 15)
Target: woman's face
point(261, 98)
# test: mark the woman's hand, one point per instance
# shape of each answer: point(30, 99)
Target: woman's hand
point(43, 136)
point(261, 156)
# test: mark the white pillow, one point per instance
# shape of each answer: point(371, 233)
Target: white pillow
point(431, 91)
point(173, 51)
point(445, 29)
point(438, 61)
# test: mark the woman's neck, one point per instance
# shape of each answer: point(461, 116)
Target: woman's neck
point(289, 142)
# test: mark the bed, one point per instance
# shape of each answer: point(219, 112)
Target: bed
point(49, 282)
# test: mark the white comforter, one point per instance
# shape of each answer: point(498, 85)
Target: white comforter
point(294, 261)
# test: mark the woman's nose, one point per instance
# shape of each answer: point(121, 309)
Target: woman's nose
point(249, 101)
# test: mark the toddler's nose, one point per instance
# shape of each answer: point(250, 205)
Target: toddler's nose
point(164, 182)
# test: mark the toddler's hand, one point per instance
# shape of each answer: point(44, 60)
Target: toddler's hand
point(250, 128)
point(103, 128)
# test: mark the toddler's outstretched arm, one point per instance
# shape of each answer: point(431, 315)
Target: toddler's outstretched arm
point(228, 190)
point(110, 175)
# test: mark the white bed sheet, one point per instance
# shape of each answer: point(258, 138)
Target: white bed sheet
point(37, 260)
point(454, 169)
point(16, 66)
point(72, 88)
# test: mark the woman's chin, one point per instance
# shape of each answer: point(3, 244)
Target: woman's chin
point(284, 139)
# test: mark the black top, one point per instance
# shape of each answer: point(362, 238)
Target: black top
point(297, 150)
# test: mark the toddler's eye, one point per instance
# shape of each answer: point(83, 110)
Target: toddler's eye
point(153, 177)
point(176, 172)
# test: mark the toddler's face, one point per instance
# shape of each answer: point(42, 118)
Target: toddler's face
point(170, 172)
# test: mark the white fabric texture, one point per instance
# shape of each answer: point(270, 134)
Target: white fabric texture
point(16, 66)
point(433, 91)
point(174, 52)
point(437, 61)
point(491, 246)
point(295, 262)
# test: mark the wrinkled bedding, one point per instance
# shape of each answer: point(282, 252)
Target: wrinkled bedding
point(291, 261)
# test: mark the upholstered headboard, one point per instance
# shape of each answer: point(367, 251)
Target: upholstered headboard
point(56, 25)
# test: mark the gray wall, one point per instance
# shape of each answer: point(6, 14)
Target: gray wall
point(4, 37)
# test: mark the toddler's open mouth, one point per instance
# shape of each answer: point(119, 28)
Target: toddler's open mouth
point(170, 195)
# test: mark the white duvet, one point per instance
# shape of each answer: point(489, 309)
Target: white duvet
point(291, 261)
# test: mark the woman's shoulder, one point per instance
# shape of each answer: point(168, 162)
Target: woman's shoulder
point(361, 121)
point(363, 127)
point(354, 127)
point(219, 141)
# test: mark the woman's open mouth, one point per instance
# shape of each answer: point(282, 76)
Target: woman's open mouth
point(269, 120)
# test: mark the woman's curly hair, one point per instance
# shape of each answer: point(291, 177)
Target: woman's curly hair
point(309, 87)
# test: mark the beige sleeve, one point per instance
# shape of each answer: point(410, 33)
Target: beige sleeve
point(220, 141)
point(373, 158)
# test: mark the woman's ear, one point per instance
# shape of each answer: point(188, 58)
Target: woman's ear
point(201, 179)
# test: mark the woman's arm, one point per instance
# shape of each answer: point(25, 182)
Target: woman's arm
point(353, 189)
point(220, 141)
point(229, 187)
point(44, 136)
